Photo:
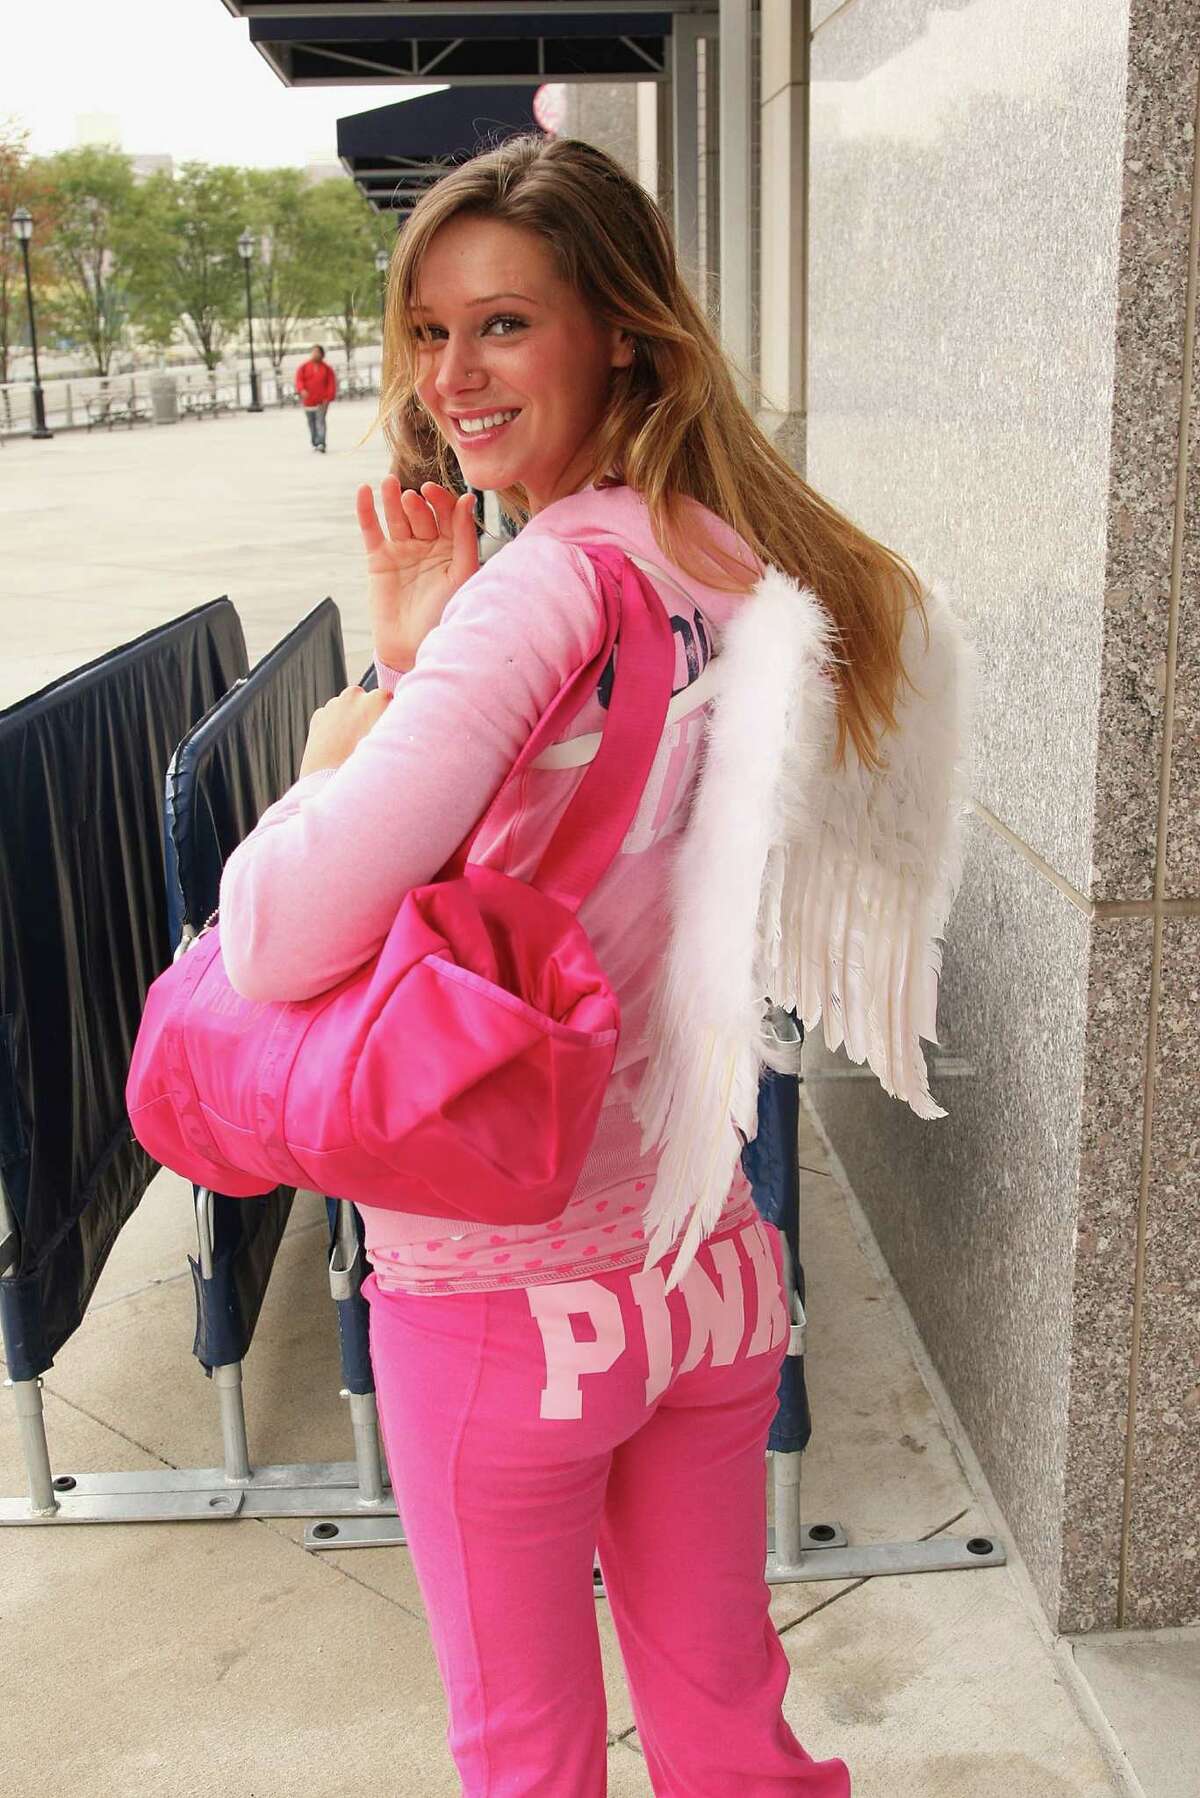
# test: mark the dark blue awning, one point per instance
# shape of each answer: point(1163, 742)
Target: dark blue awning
point(394, 152)
point(472, 42)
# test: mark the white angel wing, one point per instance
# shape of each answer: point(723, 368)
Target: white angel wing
point(852, 912)
point(821, 889)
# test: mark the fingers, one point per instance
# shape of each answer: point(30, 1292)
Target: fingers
point(374, 701)
point(441, 503)
point(410, 515)
point(392, 495)
point(422, 520)
point(368, 522)
point(356, 703)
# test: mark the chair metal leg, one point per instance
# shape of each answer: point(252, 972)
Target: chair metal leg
point(227, 1379)
point(31, 1422)
point(338, 1489)
point(789, 1540)
point(228, 1382)
point(786, 1478)
point(822, 1551)
point(100, 1498)
point(365, 1423)
point(345, 1281)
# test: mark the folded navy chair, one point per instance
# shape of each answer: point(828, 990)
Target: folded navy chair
point(83, 932)
point(771, 1163)
point(241, 757)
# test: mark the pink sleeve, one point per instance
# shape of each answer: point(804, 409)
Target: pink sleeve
point(389, 678)
point(311, 893)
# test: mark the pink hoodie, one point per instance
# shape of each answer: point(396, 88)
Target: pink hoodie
point(311, 893)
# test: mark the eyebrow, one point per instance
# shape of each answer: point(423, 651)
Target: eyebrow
point(485, 300)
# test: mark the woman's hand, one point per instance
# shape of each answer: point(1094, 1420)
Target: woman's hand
point(339, 726)
point(429, 550)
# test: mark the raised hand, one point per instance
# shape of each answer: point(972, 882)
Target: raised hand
point(428, 550)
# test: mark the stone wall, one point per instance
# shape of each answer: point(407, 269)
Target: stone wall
point(1002, 386)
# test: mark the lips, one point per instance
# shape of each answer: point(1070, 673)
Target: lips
point(483, 427)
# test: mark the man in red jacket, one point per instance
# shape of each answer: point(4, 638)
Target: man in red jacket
point(316, 384)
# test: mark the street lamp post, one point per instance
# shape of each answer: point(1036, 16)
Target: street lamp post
point(382, 263)
point(22, 222)
point(246, 251)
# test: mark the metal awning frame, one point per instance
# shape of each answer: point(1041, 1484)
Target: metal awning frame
point(409, 9)
point(426, 70)
point(401, 169)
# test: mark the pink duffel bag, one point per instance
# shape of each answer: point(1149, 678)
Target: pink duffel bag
point(460, 1073)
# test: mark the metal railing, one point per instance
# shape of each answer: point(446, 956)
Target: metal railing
point(89, 402)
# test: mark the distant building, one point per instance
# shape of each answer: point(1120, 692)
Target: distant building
point(316, 172)
point(155, 164)
point(102, 130)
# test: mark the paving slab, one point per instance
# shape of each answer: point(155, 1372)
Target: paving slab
point(389, 1571)
point(936, 1686)
point(199, 1658)
point(131, 1367)
point(105, 538)
point(1148, 1684)
point(882, 1465)
point(179, 1660)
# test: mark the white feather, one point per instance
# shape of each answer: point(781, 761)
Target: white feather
point(817, 889)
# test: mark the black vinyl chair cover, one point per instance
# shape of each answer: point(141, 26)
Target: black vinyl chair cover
point(770, 1163)
point(83, 932)
point(236, 762)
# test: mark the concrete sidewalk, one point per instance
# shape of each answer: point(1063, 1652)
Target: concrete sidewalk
point(184, 1659)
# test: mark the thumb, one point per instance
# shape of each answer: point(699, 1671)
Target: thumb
point(464, 553)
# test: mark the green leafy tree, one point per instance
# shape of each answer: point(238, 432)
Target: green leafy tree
point(187, 271)
point(286, 271)
point(14, 180)
point(91, 193)
point(346, 233)
point(21, 184)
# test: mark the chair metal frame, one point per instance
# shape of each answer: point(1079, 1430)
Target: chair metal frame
point(351, 1501)
point(236, 1488)
point(795, 1551)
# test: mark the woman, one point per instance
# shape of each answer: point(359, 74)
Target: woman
point(547, 1390)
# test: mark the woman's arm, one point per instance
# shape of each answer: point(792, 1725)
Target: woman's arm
point(312, 892)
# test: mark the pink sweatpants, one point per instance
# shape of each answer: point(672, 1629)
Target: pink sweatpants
point(527, 1427)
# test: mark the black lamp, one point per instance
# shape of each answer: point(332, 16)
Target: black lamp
point(245, 245)
point(22, 224)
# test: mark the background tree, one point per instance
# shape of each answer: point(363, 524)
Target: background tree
point(21, 184)
point(91, 192)
point(187, 269)
point(16, 189)
point(285, 274)
point(346, 233)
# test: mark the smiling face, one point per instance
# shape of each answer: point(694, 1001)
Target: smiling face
point(513, 366)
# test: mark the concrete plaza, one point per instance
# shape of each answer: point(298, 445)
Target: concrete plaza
point(189, 1659)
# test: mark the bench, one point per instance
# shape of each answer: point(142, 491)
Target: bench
point(110, 409)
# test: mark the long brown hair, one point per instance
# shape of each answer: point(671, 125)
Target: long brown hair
point(675, 427)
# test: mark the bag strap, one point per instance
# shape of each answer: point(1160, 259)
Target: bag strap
point(594, 825)
point(596, 822)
